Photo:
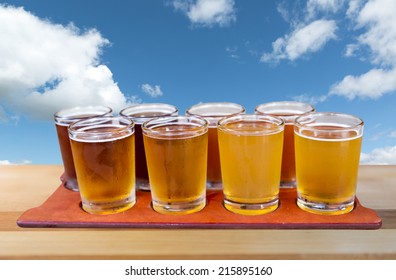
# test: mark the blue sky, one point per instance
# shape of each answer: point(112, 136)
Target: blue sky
point(338, 55)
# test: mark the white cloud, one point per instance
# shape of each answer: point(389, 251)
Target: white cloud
point(311, 30)
point(316, 6)
point(7, 162)
point(152, 91)
point(283, 11)
point(208, 13)
point(372, 84)
point(304, 39)
point(385, 155)
point(393, 134)
point(378, 16)
point(353, 8)
point(376, 43)
point(306, 98)
point(351, 50)
point(377, 20)
point(45, 66)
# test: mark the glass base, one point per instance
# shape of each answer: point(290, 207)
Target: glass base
point(325, 208)
point(212, 185)
point(105, 208)
point(251, 209)
point(142, 184)
point(70, 184)
point(179, 208)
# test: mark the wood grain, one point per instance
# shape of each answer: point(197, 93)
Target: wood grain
point(26, 186)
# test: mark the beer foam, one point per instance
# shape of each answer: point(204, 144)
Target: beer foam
point(101, 133)
point(251, 128)
point(329, 135)
point(176, 131)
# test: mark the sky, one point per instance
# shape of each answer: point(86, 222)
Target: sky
point(338, 55)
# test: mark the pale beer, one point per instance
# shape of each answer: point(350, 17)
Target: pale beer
point(327, 162)
point(251, 155)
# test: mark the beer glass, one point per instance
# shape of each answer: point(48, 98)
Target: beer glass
point(176, 153)
point(250, 157)
point(328, 149)
point(213, 112)
point(63, 119)
point(288, 111)
point(104, 156)
point(141, 113)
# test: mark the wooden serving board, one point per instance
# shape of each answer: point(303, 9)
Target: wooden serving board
point(62, 210)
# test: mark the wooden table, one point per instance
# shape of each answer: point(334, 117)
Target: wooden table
point(25, 186)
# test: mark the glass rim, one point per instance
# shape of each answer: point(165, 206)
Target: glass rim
point(189, 111)
point(69, 115)
point(197, 126)
point(173, 110)
point(279, 122)
point(285, 109)
point(86, 130)
point(306, 122)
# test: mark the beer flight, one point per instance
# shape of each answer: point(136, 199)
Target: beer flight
point(212, 146)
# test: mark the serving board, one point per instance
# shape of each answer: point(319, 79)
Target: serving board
point(63, 210)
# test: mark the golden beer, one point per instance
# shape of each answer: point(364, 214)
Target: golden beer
point(251, 155)
point(327, 163)
point(288, 111)
point(104, 157)
point(176, 153)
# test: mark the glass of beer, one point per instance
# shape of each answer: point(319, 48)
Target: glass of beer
point(141, 113)
point(104, 156)
point(251, 156)
point(328, 149)
point(176, 153)
point(63, 119)
point(288, 111)
point(213, 112)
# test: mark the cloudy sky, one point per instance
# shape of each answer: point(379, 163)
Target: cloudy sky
point(338, 55)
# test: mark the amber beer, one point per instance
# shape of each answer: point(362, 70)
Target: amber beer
point(69, 175)
point(141, 113)
point(328, 149)
point(104, 156)
point(288, 171)
point(251, 155)
point(288, 111)
point(176, 153)
point(63, 119)
point(213, 166)
point(213, 112)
